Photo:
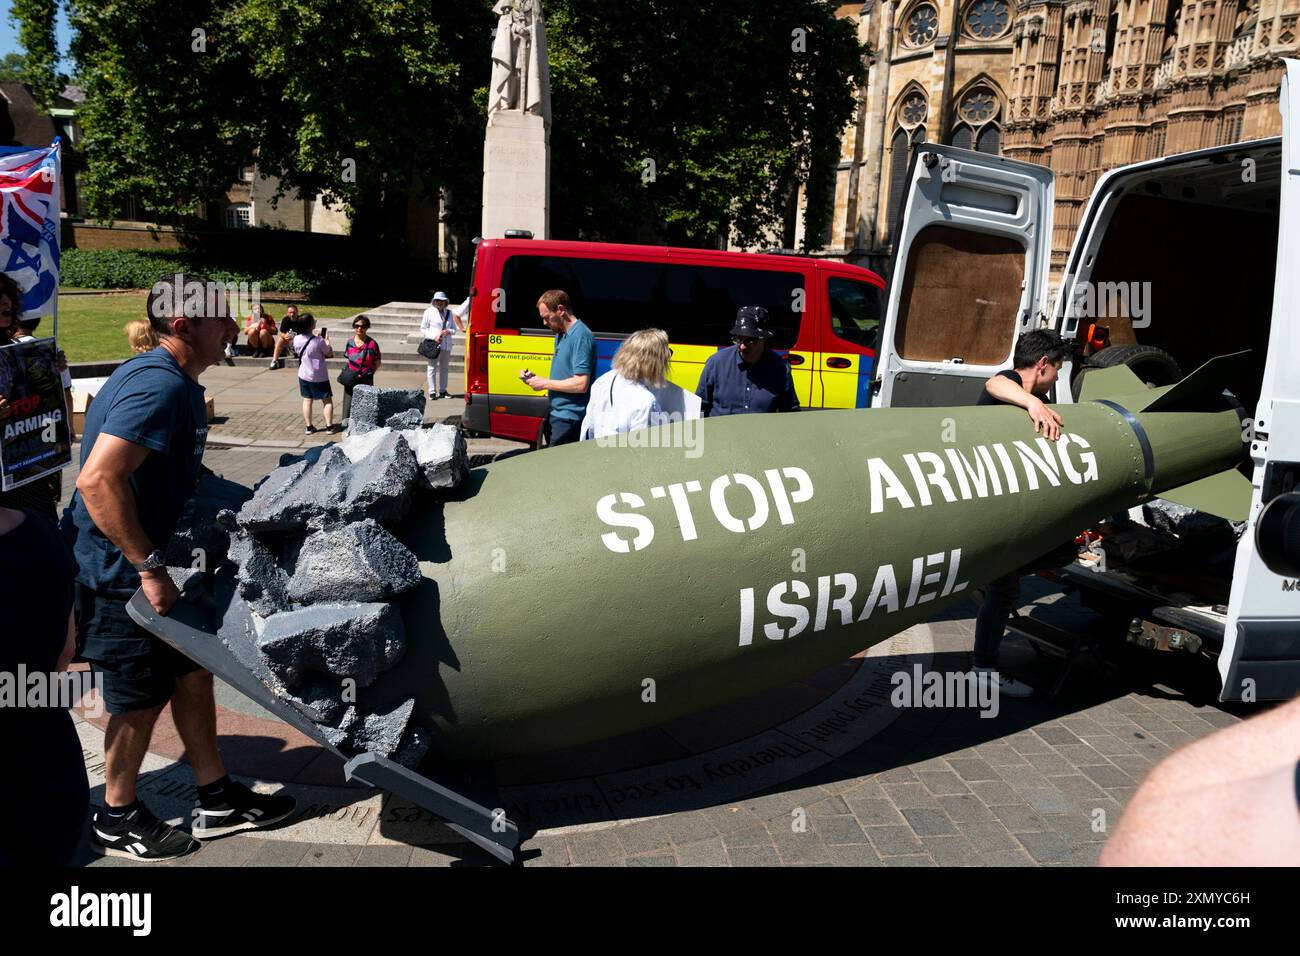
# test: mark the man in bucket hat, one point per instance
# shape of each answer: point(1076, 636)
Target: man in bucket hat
point(745, 377)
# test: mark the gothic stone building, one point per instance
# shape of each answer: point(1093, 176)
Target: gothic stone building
point(1081, 86)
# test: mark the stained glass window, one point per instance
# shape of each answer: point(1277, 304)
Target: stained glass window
point(987, 19)
point(922, 25)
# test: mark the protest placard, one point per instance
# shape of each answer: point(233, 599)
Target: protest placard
point(34, 436)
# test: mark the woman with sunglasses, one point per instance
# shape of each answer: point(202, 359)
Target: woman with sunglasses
point(362, 361)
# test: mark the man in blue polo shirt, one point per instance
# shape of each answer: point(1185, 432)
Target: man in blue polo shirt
point(140, 455)
point(745, 377)
point(573, 366)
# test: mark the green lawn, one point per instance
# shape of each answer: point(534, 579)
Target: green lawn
point(90, 326)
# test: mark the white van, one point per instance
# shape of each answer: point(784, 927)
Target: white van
point(1174, 261)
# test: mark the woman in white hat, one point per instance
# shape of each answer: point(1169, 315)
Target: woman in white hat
point(437, 326)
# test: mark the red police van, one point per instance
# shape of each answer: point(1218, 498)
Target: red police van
point(824, 316)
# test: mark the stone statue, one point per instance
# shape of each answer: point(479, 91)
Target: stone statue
point(520, 75)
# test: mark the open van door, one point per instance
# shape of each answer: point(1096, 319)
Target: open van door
point(1260, 659)
point(969, 275)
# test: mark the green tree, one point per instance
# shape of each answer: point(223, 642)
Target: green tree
point(697, 118)
point(13, 68)
point(40, 62)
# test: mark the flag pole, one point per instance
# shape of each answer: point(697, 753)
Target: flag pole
point(57, 146)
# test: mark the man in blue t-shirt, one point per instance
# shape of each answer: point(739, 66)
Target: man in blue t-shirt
point(140, 455)
point(573, 366)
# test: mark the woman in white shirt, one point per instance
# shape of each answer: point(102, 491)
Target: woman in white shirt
point(621, 399)
point(438, 324)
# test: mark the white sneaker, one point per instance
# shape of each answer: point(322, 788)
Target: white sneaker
point(1006, 685)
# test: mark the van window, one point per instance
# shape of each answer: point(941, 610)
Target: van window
point(855, 311)
point(960, 296)
point(695, 305)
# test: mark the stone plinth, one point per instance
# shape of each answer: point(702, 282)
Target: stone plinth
point(516, 175)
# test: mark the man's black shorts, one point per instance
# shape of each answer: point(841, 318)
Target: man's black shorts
point(139, 670)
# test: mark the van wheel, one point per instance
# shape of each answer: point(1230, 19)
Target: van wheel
point(1154, 366)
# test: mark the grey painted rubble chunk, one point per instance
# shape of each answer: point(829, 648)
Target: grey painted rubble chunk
point(442, 455)
point(261, 581)
point(320, 700)
point(359, 562)
point(372, 406)
point(380, 733)
point(407, 419)
point(203, 525)
point(336, 487)
point(341, 640)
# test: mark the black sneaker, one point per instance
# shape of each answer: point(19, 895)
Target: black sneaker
point(241, 809)
point(138, 835)
point(310, 430)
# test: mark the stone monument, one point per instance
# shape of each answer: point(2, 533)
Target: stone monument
point(516, 148)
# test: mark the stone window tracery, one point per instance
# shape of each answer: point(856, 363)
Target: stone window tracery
point(921, 25)
point(987, 19)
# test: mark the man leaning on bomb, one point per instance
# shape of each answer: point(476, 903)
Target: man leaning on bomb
point(140, 455)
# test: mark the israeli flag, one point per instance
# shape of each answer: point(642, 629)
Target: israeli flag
point(29, 224)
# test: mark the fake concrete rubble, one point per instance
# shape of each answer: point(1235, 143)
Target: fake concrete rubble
point(314, 573)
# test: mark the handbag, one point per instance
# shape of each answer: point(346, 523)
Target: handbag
point(430, 348)
point(349, 377)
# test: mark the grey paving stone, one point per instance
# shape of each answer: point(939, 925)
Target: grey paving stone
point(1081, 726)
point(897, 775)
point(929, 822)
point(279, 853)
point(1016, 857)
point(1044, 847)
point(1048, 800)
point(234, 850)
point(1136, 766)
point(753, 856)
point(1055, 734)
point(1076, 828)
point(1003, 756)
point(330, 854)
point(923, 859)
point(384, 856)
point(1129, 705)
point(854, 854)
point(1050, 764)
point(973, 769)
point(688, 828)
point(931, 765)
point(755, 835)
point(1218, 718)
point(836, 831)
point(771, 807)
point(1021, 779)
point(953, 850)
point(832, 806)
point(905, 795)
point(865, 790)
point(943, 783)
point(730, 818)
point(989, 837)
point(552, 850)
point(1021, 819)
point(1085, 855)
point(423, 856)
point(893, 841)
point(1108, 744)
point(1081, 755)
point(965, 808)
point(709, 852)
point(599, 846)
point(801, 848)
point(995, 794)
point(1026, 743)
point(642, 837)
point(874, 812)
point(1107, 777)
point(652, 859)
point(1077, 786)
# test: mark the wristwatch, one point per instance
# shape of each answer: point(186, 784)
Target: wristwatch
point(153, 562)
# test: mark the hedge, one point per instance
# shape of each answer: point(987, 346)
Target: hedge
point(139, 269)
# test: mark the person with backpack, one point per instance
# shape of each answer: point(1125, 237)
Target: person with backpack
point(363, 359)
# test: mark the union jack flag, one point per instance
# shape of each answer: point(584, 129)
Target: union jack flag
point(29, 224)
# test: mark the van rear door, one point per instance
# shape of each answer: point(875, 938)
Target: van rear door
point(969, 275)
point(1260, 659)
